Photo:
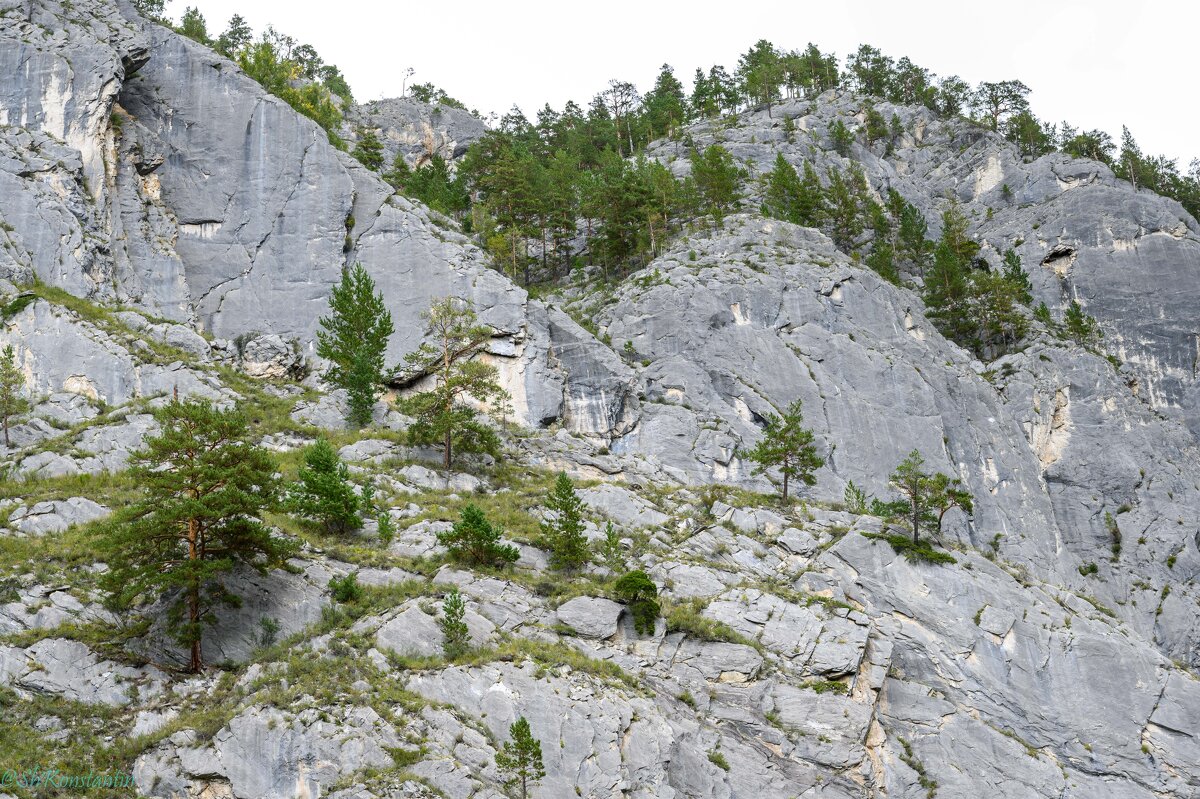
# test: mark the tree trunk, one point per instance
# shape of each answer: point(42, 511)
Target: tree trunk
point(446, 453)
point(916, 518)
point(7, 443)
point(785, 487)
point(194, 602)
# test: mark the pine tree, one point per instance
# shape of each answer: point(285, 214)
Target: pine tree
point(716, 175)
point(761, 71)
point(474, 540)
point(521, 758)
point(369, 150)
point(324, 492)
point(12, 381)
point(788, 446)
point(204, 486)
point(947, 283)
point(440, 413)
point(563, 533)
point(665, 104)
point(1079, 326)
point(456, 637)
point(928, 496)
point(354, 339)
point(192, 25)
point(236, 36)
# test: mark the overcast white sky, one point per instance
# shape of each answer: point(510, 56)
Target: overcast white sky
point(1097, 64)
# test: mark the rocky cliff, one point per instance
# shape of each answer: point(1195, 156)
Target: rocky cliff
point(168, 226)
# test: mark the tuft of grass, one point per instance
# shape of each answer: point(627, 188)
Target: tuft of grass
point(922, 552)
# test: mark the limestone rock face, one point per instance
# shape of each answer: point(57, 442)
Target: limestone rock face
point(414, 130)
point(240, 221)
point(1082, 233)
point(179, 221)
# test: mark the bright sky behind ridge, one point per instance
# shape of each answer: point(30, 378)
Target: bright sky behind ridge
point(1097, 64)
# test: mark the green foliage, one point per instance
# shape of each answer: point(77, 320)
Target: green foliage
point(1079, 326)
point(920, 551)
point(761, 72)
point(354, 339)
point(687, 618)
point(263, 62)
point(929, 496)
point(432, 95)
point(12, 383)
point(562, 533)
point(193, 26)
point(441, 415)
point(456, 638)
point(150, 9)
point(1114, 531)
point(520, 759)
point(369, 150)
point(387, 528)
point(346, 589)
point(855, 498)
point(270, 631)
point(475, 541)
point(976, 308)
point(431, 184)
point(640, 593)
point(801, 202)
point(204, 487)
point(841, 137)
point(717, 180)
point(717, 759)
point(609, 551)
point(788, 446)
point(324, 493)
point(236, 36)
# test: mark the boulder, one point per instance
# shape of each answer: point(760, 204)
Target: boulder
point(591, 617)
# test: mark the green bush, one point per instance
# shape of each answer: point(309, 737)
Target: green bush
point(922, 552)
point(640, 593)
point(476, 541)
point(346, 589)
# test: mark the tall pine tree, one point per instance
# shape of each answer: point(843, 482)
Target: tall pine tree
point(354, 338)
point(204, 488)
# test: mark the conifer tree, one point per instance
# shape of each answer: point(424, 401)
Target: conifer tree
point(563, 534)
point(324, 492)
point(789, 446)
point(1079, 326)
point(369, 150)
point(442, 417)
point(716, 175)
point(12, 381)
point(203, 489)
point(354, 339)
point(928, 496)
point(474, 540)
point(456, 637)
point(521, 758)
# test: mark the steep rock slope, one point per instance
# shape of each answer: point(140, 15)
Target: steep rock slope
point(199, 198)
point(802, 656)
point(1130, 257)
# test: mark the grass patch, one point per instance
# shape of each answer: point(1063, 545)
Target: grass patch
point(922, 552)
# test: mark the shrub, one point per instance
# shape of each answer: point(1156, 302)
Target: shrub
point(641, 595)
point(476, 541)
point(346, 589)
